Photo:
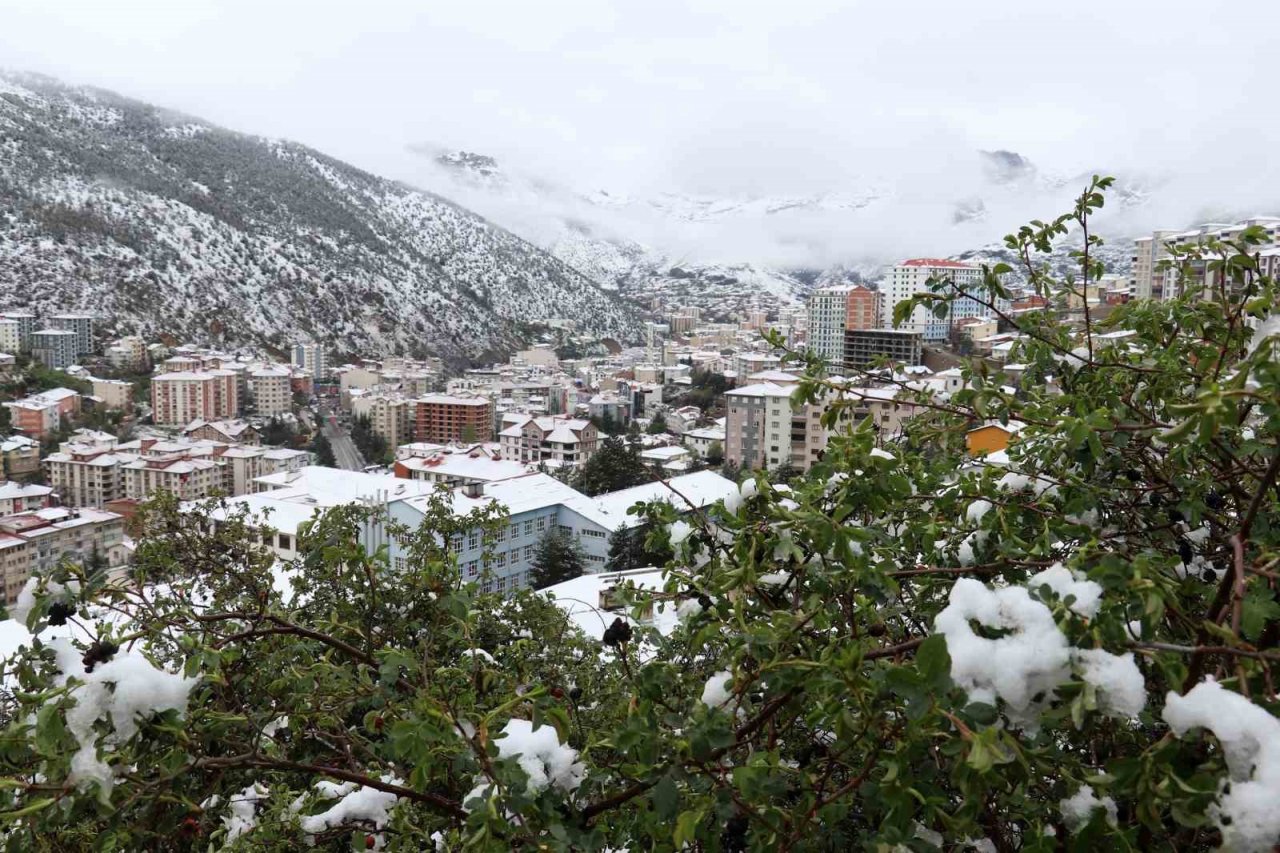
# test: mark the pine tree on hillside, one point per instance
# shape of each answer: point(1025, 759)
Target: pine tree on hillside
point(558, 559)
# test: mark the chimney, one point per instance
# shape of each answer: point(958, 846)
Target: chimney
point(473, 489)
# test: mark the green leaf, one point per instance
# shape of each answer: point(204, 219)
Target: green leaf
point(666, 798)
point(1259, 609)
point(933, 660)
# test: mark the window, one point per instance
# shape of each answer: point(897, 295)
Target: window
point(528, 527)
point(500, 560)
point(286, 542)
point(595, 534)
point(501, 535)
point(514, 555)
point(528, 552)
point(542, 523)
point(471, 568)
point(455, 543)
point(502, 584)
point(473, 540)
point(400, 563)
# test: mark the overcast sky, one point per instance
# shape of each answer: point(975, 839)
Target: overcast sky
point(701, 95)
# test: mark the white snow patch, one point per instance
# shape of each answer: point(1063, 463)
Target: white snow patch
point(1250, 738)
point(1077, 810)
point(716, 692)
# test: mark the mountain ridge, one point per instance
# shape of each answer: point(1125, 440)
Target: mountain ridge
point(167, 223)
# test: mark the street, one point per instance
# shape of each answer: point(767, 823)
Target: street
point(344, 449)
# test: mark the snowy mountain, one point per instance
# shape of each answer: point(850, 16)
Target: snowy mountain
point(163, 223)
point(730, 253)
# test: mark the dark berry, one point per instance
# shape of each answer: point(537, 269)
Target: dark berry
point(617, 633)
point(705, 601)
point(557, 692)
point(1184, 551)
point(370, 842)
point(1157, 499)
point(575, 693)
point(98, 653)
point(1214, 501)
point(1208, 576)
point(1175, 515)
point(60, 612)
point(734, 837)
point(877, 630)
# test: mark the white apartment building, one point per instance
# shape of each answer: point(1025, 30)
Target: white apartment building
point(272, 391)
point(554, 441)
point(26, 328)
point(763, 429)
point(1151, 282)
point(832, 310)
point(10, 336)
point(310, 358)
point(912, 277)
point(179, 398)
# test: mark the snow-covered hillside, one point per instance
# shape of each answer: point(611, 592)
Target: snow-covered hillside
point(163, 223)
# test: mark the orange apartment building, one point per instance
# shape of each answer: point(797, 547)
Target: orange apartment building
point(862, 309)
point(442, 418)
point(179, 398)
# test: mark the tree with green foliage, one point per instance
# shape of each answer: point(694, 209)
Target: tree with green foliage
point(323, 450)
point(715, 453)
point(558, 558)
point(372, 446)
point(658, 425)
point(629, 548)
point(1071, 646)
point(278, 432)
point(616, 464)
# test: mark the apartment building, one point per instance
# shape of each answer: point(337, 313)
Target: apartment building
point(10, 336)
point(1149, 281)
point(113, 393)
point(555, 441)
point(26, 328)
point(912, 277)
point(38, 540)
point(182, 397)
point(21, 497)
point(828, 315)
point(392, 416)
point(228, 432)
point(310, 358)
point(80, 325)
point(19, 456)
point(862, 347)
point(272, 391)
point(763, 429)
point(94, 471)
point(56, 349)
point(443, 418)
point(128, 353)
point(42, 413)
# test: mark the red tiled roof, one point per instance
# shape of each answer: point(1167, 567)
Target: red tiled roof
point(933, 262)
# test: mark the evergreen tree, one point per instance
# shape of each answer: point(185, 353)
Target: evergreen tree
point(615, 465)
point(558, 559)
point(324, 451)
point(658, 425)
point(628, 550)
